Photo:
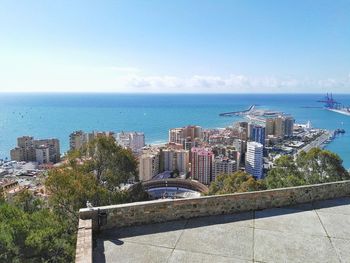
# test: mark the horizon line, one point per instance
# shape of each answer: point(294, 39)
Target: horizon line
point(169, 93)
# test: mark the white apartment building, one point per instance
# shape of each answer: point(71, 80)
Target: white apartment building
point(42, 154)
point(133, 140)
point(254, 159)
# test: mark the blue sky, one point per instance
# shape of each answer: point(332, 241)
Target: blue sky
point(175, 46)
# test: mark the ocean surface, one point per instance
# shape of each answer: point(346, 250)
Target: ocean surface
point(57, 115)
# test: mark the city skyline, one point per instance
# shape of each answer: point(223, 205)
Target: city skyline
point(182, 47)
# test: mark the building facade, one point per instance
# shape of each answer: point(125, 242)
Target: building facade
point(175, 160)
point(254, 159)
point(223, 165)
point(281, 126)
point(202, 164)
point(132, 140)
point(185, 134)
point(149, 164)
point(30, 150)
point(257, 134)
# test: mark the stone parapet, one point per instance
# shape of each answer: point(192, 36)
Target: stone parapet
point(167, 210)
point(83, 252)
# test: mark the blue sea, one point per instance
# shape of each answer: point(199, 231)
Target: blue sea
point(57, 115)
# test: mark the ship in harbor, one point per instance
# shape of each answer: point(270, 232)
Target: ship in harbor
point(332, 105)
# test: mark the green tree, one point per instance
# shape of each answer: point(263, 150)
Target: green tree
point(236, 182)
point(32, 232)
point(315, 166)
point(284, 174)
point(70, 189)
point(27, 202)
point(37, 236)
point(112, 164)
point(320, 166)
point(2, 195)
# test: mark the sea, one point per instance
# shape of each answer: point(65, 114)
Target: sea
point(56, 115)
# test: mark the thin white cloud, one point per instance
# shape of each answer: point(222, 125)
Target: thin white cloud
point(233, 84)
point(135, 80)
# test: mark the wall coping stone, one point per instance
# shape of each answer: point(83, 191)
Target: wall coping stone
point(88, 211)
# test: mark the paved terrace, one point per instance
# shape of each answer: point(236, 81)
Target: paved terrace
point(311, 232)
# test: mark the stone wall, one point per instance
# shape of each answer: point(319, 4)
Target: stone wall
point(166, 210)
point(83, 252)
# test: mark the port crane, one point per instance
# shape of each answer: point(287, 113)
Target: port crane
point(330, 103)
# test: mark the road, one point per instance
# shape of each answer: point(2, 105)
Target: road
point(316, 143)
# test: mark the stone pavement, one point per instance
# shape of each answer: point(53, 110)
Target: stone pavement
point(313, 232)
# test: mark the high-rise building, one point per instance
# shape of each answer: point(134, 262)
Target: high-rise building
point(201, 164)
point(27, 150)
point(241, 130)
point(289, 126)
point(132, 140)
point(257, 134)
point(53, 146)
point(270, 126)
point(223, 165)
point(175, 160)
point(254, 159)
point(185, 134)
point(149, 163)
point(281, 126)
point(76, 140)
point(42, 154)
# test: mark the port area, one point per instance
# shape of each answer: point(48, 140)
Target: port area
point(302, 140)
point(344, 111)
point(250, 110)
point(320, 141)
point(254, 114)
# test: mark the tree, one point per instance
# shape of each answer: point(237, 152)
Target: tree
point(94, 174)
point(320, 166)
point(2, 195)
point(112, 164)
point(284, 174)
point(38, 236)
point(236, 182)
point(315, 166)
point(32, 232)
point(70, 189)
point(27, 201)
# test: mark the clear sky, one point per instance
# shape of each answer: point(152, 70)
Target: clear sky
point(175, 46)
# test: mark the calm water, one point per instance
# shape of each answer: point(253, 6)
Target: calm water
point(57, 115)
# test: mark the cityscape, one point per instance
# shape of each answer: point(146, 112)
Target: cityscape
point(191, 153)
point(188, 131)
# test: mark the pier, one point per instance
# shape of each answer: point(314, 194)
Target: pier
point(239, 113)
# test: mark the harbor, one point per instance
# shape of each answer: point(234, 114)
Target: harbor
point(332, 105)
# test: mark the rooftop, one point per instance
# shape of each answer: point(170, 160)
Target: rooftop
point(312, 232)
